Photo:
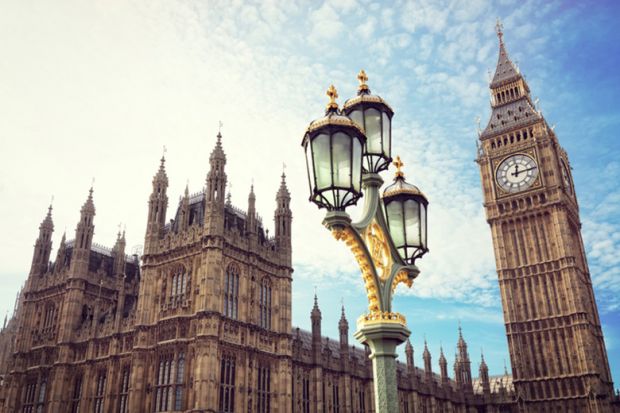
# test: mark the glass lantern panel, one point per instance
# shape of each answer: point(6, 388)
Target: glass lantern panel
point(423, 224)
point(357, 117)
point(373, 130)
point(341, 152)
point(395, 221)
point(387, 150)
point(412, 222)
point(308, 166)
point(357, 165)
point(322, 161)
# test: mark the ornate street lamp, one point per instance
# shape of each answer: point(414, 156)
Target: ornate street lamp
point(391, 234)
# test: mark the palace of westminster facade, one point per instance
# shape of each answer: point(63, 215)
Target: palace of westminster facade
point(203, 322)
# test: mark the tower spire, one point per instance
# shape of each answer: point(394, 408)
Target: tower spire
point(43, 245)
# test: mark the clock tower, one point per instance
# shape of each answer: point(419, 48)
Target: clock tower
point(556, 346)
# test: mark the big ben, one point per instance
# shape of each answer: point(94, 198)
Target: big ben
point(552, 324)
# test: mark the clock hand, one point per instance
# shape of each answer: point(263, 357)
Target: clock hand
point(517, 172)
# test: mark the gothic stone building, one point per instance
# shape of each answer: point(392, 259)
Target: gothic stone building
point(204, 323)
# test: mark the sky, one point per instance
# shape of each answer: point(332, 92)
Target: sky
point(96, 89)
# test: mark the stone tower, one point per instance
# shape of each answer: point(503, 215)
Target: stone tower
point(554, 332)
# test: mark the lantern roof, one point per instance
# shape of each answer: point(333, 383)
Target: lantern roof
point(400, 186)
point(364, 95)
point(333, 116)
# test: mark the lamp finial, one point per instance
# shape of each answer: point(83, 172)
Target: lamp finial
point(399, 164)
point(333, 95)
point(363, 78)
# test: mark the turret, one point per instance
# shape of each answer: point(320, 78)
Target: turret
point(315, 319)
point(59, 264)
point(409, 355)
point(283, 218)
point(43, 245)
point(119, 254)
point(343, 328)
point(462, 364)
point(443, 366)
point(184, 213)
point(216, 189)
point(428, 369)
point(484, 376)
point(83, 237)
point(216, 178)
point(158, 203)
point(251, 222)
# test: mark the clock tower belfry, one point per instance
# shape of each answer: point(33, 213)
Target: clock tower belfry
point(554, 333)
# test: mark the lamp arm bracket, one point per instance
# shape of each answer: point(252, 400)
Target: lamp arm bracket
point(371, 182)
point(400, 273)
point(350, 235)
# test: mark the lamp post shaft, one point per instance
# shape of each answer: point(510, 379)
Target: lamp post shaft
point(383, 338)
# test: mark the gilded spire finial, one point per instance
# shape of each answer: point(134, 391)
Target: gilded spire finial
point(399, 164)
point(363, 78)
point(333, 95)
point(499, 29)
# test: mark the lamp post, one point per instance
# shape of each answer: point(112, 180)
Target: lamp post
point(345, 152)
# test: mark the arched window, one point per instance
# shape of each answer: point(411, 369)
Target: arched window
point(305, 392)
point(77, 394)
point(163, 387)
point(265, 304)
point(123, 406)
point(180, 382)
point(264, 388)
point(100, 392)
point(178, 285)
point(231, 292)
point(227, 384)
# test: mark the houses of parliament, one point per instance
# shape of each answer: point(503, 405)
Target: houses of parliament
point(201, 322)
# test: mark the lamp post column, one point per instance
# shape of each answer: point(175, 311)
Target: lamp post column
point(383, 338)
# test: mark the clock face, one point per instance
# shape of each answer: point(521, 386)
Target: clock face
point(516, 173)
point(566, 178)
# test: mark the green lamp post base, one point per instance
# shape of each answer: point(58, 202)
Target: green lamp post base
point(383, 337)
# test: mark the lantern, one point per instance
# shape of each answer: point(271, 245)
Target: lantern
point(374, 116)
point(405, 211)
point(333, 146)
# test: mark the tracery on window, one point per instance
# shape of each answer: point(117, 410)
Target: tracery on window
point(170, 382)
point(231, 292)
point(265, 304)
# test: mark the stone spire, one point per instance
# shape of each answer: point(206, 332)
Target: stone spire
point(443, 366)
point(216, 178)
point(505, 71)
point(251, 222)
point(119, 254)
point(462, 364)
point(315, 319)
point(343, 328)
point(215, 195)
point(60, 255)
point(83, 237)
point(483, 374)
point(158, 204)
point(184, 212)
point(43, 245)
point(426, 355)
point(409, 354)
point(283, 218)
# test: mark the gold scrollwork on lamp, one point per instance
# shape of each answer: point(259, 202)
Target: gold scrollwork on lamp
point(379, 249)
point(346, 235)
